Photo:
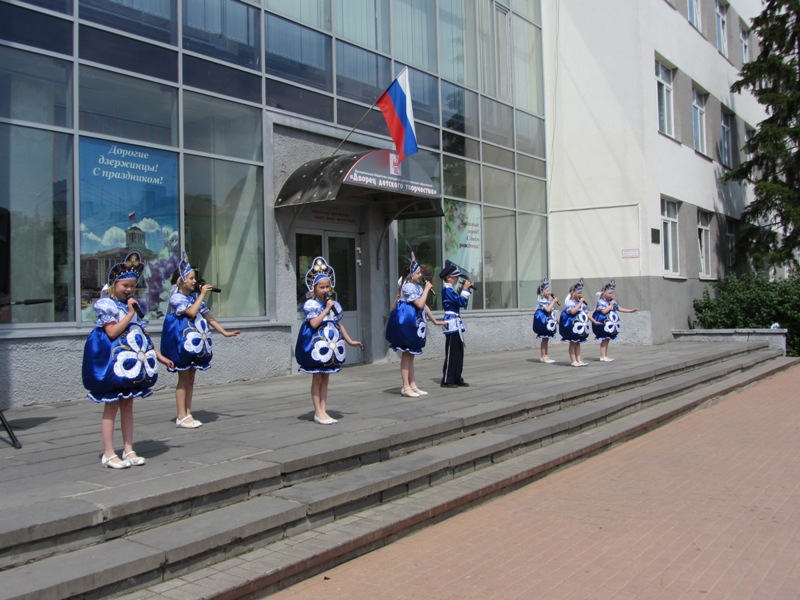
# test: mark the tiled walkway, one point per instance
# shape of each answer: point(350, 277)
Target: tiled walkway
point(705, 507)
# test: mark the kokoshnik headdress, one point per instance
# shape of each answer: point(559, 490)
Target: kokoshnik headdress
point(609, 287)
point(184, 268)
point(545, 285)
point(319, 270)
point(413, 267)
point(576, 287)
point(131, 268)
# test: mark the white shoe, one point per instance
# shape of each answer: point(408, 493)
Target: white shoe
point(119, 464)
point(188, 422)
point(134, 459)
point(419, 391)
point(328, 421)
point(547, 361)
point(409, 393)
point(606, 359)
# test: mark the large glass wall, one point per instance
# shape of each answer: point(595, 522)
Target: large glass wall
point(159, 105)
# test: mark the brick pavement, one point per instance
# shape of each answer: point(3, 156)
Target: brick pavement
point(705, 507)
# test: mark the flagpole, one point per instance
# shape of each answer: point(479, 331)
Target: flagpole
point(364, 116)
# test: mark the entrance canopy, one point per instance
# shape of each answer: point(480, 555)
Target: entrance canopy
point(403, 189)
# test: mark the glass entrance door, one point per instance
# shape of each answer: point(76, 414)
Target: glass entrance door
point(340, 250)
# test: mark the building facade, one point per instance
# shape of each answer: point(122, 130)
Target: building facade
point(561, 139)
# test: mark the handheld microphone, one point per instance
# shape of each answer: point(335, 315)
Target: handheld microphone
point(333, 307)
point(432, 291)
point(200, 285)
point(138, 310)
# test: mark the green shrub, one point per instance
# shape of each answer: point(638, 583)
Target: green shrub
point(753, 302)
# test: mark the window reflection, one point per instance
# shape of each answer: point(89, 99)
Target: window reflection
point(365, 22)
point(221, 127)
point(128, 107)
point(224, 216)
point(459, 109)
point(414, 33)
point(154, 19)
point(298, 54)
point(361, 75)
point(36, 226)
point(225, 29)
point(500, 258)
point(36, 88)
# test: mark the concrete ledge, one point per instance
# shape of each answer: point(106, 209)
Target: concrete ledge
point(775, 338)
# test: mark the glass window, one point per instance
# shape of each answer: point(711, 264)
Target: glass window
point(462, 243)
point(530, 9)
point(154, 19)
point(414, 33)
point(62, 6)
point(730, 244)
point(744, 45)
point(360, 74)
point(721, 13)
point(227, 81)
point(35, 88)
point(704, 242)
point(298, 100)
point(531, 166)
point(699, 120)
point(299, 54)
point(129, 201)
point(726, 141)
point(424, 95)
point(695, 14)
point(129, 54)
point(127, 107)
point(221, 127)
point(462, 178)
point(499, 258)
point(424, 238)
point(365, 22)
point(664, 84)
point(498, 156)
point(316, 13)
point(498, 187)
point(458, 144)
point(530, 134)
point(528, 67)
point(531, 194)
point(427, 136)
point(225, 29)
point(459, 109)
point(497, 122)
point(458, 53)
point(224, 216)
point(35, 29)
point(494, 40)
point(669, 234)
point(348, 114)
point(36, 226)
point(532, 257)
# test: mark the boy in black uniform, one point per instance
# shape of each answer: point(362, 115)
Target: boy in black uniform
point(452, 302)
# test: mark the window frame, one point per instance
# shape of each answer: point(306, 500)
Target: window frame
point(695, 15)
point(721, 23)
point(726, 139)
point(744, 44)
point(699, 101)
point(665, 92)
point(704, 220)
point(670, 238)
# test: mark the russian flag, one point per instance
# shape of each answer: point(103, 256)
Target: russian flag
point(395, 104)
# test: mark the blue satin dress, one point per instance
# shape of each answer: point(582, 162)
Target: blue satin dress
point(406, 328)
point(186, 341)
point(544, 325)
point(320, 350)
point(573, 328)
point(125, 367)
point(609, 323)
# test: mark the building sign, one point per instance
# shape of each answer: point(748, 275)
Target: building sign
point(630, 253)
point(382, 171)
point(128, 201)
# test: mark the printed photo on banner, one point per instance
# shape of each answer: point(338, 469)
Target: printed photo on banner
point(128, 201)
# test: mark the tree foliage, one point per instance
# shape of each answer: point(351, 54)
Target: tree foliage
point(753, 302)
point(773, 166)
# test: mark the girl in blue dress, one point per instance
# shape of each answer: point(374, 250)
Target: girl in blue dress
point(119, 360)
point(544, 323)
point(186, 337)
point(573, 323)
point(606, 324)
point(320, 342)
point(406, 328)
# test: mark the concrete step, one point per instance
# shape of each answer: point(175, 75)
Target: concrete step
point(400, 466)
